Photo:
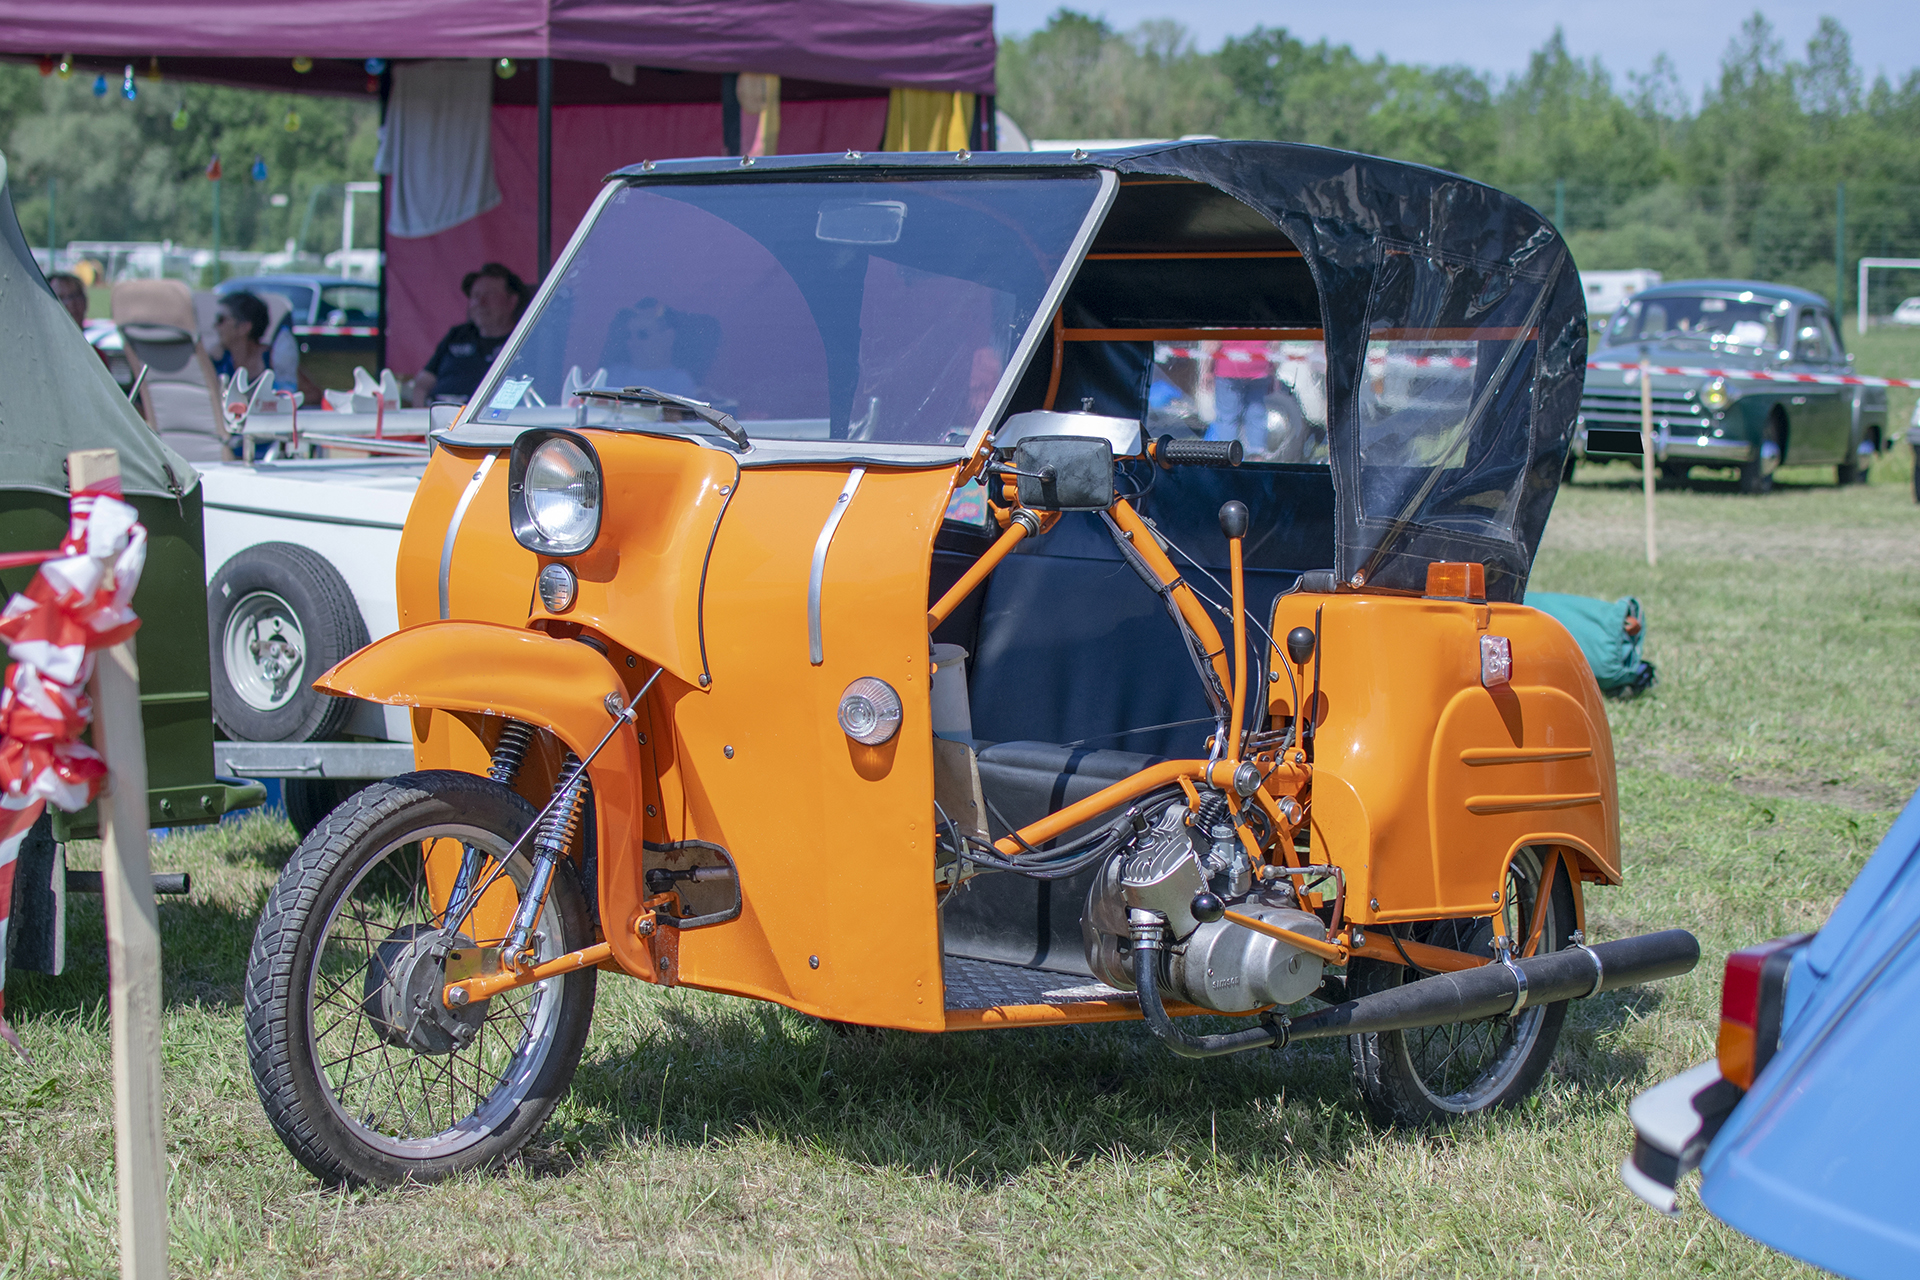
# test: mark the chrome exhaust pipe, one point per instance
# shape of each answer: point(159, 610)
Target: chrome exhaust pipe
point(1504, 988)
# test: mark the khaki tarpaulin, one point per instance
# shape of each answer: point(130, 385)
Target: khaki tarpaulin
point(761, 96)
point(55, 394)
point(929, 120)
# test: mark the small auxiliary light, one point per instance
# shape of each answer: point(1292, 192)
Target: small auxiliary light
point(870, 711)
point(1496, 661)
point(557, 588)
point(1457, 580)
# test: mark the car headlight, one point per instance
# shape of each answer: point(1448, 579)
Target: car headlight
point(553, 493)
point(1719, 393)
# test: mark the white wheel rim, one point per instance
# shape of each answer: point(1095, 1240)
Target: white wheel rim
point(265, 651)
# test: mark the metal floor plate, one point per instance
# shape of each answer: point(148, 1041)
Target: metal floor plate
point(982, 984)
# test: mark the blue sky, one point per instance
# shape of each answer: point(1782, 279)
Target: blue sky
point(1497, 35)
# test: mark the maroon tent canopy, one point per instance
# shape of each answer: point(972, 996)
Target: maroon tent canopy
point(888, 43)
point(613, 82)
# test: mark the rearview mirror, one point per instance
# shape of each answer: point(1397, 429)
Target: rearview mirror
point(1064, 473)
point(861, 221)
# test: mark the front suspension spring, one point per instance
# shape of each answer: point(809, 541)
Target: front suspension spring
point(510, 752)
point(550, 844)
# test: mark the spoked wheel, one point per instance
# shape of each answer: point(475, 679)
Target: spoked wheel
point(364, 1072)
point(1434, 1075)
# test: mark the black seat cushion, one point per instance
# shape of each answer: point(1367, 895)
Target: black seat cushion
point(1009, 918)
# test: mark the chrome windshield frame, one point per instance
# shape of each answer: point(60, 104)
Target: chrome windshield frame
point(761, 453)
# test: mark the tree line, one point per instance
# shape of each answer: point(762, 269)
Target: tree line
point(110, 168)
point(1744, 182)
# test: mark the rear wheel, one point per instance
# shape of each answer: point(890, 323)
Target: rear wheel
point(365, 1075)
point(1857, 469)
point(1436, 1075)
point(1756, 474)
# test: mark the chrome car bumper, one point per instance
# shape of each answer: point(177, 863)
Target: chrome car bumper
point(1673, 1125)
point(1668, 445)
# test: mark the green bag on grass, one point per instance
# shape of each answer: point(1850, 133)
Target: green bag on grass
point(1609, 633)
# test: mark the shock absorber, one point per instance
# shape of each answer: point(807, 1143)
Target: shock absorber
point(509, 753)
point(550, 843)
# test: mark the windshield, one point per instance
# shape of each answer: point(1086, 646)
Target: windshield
point(1727, 320)
point(856, 310)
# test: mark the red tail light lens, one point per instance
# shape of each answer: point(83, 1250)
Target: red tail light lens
point(1753, 996)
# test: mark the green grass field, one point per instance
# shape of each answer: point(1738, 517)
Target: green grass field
point(712, 1136)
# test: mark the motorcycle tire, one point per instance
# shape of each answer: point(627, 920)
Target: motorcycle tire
point(332, 1046)
point(1432, 1076)
point(309, 800)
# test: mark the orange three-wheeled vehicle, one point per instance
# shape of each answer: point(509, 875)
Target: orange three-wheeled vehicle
point(977, 591)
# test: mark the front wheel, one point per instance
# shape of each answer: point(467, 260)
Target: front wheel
point(1436, 1075)
point(364, 1073)
point(1756, 474)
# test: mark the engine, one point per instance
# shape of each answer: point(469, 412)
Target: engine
point(1173, 855)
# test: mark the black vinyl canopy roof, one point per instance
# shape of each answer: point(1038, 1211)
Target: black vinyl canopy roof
point(1454, 325)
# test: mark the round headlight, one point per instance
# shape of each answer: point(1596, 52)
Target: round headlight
point(1718, 394)
point(557, 586)
point(563, 495)
point(870, 711)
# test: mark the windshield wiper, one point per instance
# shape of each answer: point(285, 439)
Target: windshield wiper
point(698, 408)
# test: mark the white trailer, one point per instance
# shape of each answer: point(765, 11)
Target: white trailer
point(300, 559)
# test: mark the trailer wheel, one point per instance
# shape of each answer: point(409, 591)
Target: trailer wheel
point(1436, 1075)
point(277, 616)
point(364, 1075)
point(309, 800)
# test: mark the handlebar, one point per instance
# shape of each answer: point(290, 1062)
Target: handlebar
point(1171, 453)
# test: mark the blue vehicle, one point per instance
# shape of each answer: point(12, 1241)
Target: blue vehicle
point(1804, 1127)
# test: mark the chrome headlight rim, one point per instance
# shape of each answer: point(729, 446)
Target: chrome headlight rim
point(527, 530)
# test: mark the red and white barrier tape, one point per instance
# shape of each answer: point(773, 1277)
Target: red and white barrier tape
point(1761, 375)
point(81, 601)
point(336, 330)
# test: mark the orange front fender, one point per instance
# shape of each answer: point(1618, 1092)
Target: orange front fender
point(482, 668)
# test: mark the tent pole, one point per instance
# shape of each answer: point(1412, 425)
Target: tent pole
point(730, 113)
point(543, 255)
point(380, 342)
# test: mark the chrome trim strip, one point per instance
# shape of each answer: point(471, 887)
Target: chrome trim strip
point(817, 578)
point(453, 525)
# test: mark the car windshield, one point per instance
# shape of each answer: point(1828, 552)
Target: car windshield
point(1719, 319)
point(350, 304)
point(836, 310)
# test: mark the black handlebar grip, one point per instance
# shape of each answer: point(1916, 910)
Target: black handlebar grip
point(1173, 453)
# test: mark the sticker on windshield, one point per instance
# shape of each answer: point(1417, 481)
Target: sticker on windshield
point(508, 396)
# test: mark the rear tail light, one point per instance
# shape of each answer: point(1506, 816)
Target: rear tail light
point(1753, 996)
point(1496, 661)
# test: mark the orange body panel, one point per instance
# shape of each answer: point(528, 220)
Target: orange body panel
point(1425, 783)
point(833, 842)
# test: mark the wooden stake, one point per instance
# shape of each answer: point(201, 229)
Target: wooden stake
point(133, 941)
point(1646, 451)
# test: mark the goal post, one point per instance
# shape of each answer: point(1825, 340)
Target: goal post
point(1892, 264)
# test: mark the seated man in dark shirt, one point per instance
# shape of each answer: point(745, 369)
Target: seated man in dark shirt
point(495, 296)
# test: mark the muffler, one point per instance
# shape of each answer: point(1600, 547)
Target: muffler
point(1507, 987)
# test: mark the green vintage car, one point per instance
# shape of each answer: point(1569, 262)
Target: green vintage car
point(1751, 426)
